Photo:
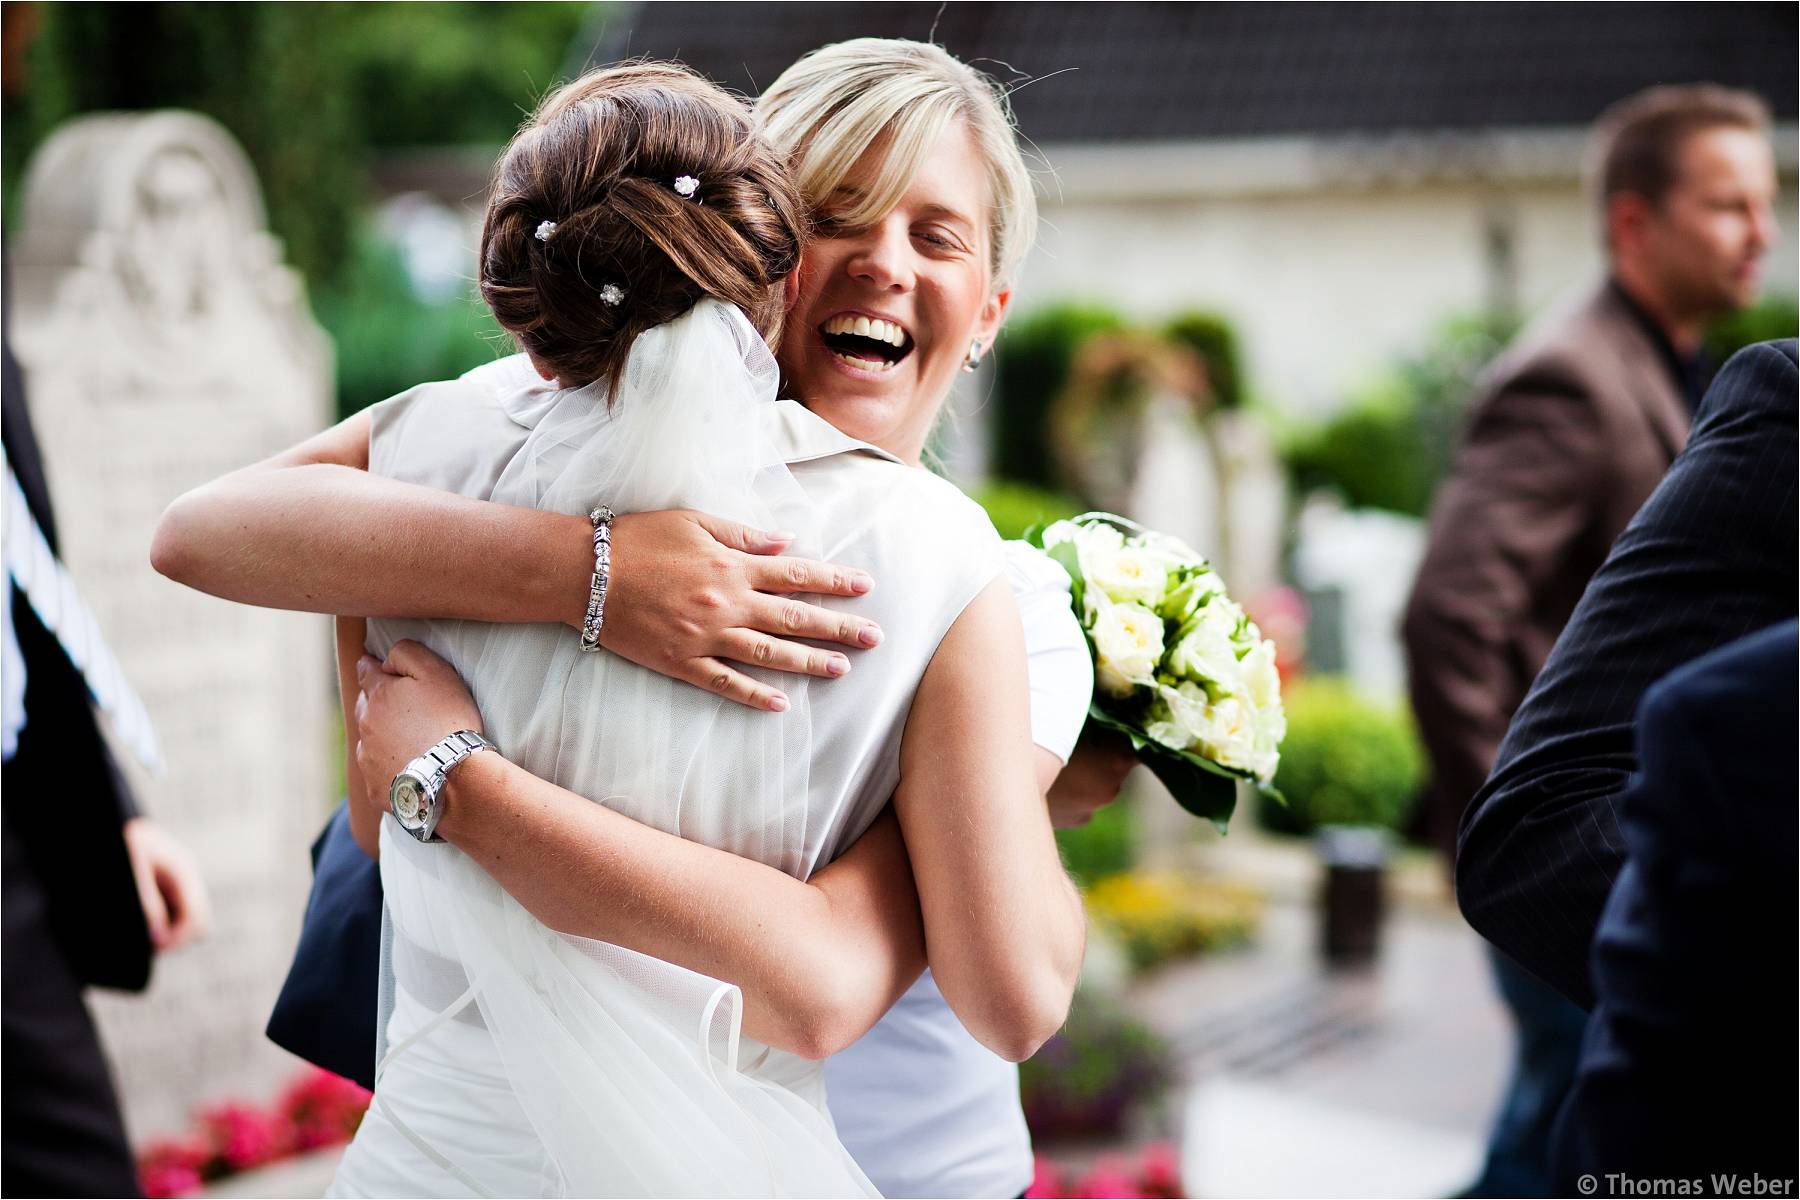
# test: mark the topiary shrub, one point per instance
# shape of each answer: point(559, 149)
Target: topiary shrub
point(1394, 441)
point(1345, 761)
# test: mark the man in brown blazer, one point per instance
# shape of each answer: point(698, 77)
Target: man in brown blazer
point(1571, 431)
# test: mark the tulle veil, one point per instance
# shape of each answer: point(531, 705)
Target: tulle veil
point(631, 1070)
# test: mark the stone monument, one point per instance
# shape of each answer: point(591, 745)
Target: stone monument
point(163, 343)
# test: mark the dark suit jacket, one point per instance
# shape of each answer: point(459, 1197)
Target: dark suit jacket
point(1710, 559)
point(326, 1010)
point(66, 801)
point(1688, 1064)
point(1571, 431)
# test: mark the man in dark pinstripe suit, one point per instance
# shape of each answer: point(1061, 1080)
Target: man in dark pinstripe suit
point(1710, 559)
point(1574, 428)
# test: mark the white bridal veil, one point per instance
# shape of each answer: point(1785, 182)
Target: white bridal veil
point(629, 1070)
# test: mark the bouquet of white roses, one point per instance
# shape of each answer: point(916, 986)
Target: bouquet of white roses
point(1179, 668)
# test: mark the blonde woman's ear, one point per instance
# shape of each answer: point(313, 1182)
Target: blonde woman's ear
point(790, 290)
point(993, 313)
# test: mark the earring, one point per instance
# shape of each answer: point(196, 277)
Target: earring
point(972, 359)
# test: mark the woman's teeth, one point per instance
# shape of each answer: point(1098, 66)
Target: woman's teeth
point(869, 327)
point(866, 364)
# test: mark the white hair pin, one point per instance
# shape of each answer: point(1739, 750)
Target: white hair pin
point(612, 294)
point(544, 230)
point(687, 185)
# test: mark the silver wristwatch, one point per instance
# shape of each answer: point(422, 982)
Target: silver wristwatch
point(417, 791)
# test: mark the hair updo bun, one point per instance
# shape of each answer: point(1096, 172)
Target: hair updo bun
point(599, 159)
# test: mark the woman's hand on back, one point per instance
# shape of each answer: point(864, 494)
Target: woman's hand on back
point(691, 594)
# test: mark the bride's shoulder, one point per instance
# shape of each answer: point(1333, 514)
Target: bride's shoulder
point(453, 429)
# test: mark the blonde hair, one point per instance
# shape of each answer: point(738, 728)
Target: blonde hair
point(827, 110)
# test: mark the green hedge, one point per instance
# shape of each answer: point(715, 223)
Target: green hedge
point(388, 338)
point(1345, 761)
point(1393, 442)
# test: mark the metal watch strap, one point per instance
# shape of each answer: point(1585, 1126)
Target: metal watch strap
point(602, 517)
point(454, 749)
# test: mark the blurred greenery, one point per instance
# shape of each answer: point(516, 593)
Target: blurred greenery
point(1106, 845)
point(1212, 337)
point(1016, 507)
point(307, 89)
point(388, 338)
point(1345, 761)
point(1031, 366)
point(1775, 317)
point(1395, 439)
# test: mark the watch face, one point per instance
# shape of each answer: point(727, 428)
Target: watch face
point(408, 796)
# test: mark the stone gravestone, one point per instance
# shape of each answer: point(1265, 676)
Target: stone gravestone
point(163, 343)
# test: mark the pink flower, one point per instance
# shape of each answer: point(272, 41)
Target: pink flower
point(323, 1109)
point(243, 1137)
point(1111, 1177)
point(1046, 1180)
point(172, 1167)
point(1160, 1171)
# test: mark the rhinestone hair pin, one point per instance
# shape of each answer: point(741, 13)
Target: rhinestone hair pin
point(687, 185)
point(544, 230)
point(612, 294)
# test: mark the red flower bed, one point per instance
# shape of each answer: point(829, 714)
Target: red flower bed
point(1154, 1172)
point(317, 1109)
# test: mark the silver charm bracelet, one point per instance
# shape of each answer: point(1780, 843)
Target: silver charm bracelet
point(602, 517)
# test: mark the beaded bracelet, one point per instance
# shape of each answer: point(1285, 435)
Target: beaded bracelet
point(602, 517)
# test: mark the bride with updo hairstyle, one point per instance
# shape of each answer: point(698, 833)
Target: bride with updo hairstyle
point(590, 196)
point(637, 243)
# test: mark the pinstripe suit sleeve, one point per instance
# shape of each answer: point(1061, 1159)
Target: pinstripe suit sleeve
point(1709, 558)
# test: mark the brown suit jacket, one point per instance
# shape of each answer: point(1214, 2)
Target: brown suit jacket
point(1571, 430)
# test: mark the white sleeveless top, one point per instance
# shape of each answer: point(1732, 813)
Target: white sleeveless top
point(628, 1072)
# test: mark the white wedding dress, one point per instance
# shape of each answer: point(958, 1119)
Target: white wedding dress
point(518, 1061)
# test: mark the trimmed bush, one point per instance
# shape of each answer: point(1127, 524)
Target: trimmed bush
point(1345, 762)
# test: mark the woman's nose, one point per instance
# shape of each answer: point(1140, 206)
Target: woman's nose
point(884, 259)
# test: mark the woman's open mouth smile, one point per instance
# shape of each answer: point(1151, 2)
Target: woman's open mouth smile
point(865, 343)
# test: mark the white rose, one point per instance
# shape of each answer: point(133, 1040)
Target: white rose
point(1162, 727)
point(1189, 708)
point(1128, 643)
point(1058, 532)
point(1262, 682)
point(1205, 653)
point(1093, 542)
point(1230, 737)
point(1129, 574)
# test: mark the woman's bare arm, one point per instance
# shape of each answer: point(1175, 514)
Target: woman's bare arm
point(1004, 926)
point(312, 529)
point(818, 961)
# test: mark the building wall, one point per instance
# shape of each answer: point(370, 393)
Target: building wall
point(1326, 274)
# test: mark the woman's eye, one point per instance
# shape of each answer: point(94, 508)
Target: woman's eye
point(941, 241)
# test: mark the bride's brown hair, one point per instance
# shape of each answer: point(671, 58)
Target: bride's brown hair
point(600, 159)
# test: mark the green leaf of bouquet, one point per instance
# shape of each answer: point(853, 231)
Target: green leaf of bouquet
point(1205, 792)
point(1199, 785)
